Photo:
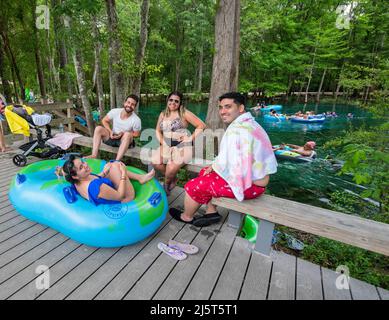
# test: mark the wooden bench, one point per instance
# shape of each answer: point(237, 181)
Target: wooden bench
point(350, 229)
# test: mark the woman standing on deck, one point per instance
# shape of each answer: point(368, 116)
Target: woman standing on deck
point(176, 143)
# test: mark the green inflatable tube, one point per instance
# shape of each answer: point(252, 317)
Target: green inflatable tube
point(250, 228)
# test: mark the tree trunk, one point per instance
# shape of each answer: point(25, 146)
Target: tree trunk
point(310, 75)
point(321, 85)
point(38, 61)
point(99, 80)
point(65, 82)
point(5, 84)
point(77, 59)
point(13, 63)
point(179, 47)
point(136, 84)
point(115, 66)
point(200, 73)
point(225, 70)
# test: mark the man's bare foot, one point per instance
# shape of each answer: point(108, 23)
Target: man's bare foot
point(90, 157)
point(147, 177)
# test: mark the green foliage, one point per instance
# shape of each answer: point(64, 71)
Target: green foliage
point(363, 265)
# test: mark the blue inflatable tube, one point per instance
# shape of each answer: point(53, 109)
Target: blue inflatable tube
point(311, 119)
point(276, 107)
point(271, 118)
point(287, 154)
point(37, 194)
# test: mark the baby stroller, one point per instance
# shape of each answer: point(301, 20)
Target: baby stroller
point(20, 120)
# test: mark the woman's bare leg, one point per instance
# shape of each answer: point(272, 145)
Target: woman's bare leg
point(114, 175)
point(141, 178)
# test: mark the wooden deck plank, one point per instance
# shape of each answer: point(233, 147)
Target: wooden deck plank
point(363, 291)
point(6, 209)
point(21, 279)
point(82, 272)
point(73, 279)
point(151, 280)
point(91, 287)
point(10, 233)
point(205, 278)
point(21, 237)
point(26, 246)
point(91, 265)
point(309, 284)
point(62, 268)
point(256, 283)
point(384, 294)
point(231, 279)
point(128, 276)
point(329, 287)
point(176, 283)
point(22, 262)
point(6, 216)
point(11, 223)
point(282, 282)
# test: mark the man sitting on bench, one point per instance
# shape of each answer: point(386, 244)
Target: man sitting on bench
point(241, 170)
point(126, 126)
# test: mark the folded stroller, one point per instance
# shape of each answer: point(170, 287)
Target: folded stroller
point(20, 120)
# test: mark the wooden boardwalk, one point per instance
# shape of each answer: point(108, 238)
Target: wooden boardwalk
point(225, 268)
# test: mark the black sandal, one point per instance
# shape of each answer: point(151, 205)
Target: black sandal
point(176, 214)
point(207, 219)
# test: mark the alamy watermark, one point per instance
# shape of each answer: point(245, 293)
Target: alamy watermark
point(343, 280)
point(43, 281)
point(43, 17)
point(344, 15)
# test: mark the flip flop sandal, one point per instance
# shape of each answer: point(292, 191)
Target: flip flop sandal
point(184, 247)
point(174, 253)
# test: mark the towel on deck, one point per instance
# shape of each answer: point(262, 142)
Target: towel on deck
point(245, 155)
point(63, 140)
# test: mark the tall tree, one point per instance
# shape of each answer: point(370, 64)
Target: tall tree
point(225, 68)
point(117, 90)
point(37, 52)
point(98, 71)
point(140, 55)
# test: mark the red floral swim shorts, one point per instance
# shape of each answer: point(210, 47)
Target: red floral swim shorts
point(205, 187)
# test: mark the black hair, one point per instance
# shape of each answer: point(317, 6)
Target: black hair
point(176, 93)
point(133, 96)
point(236, 96)
point(69, 170)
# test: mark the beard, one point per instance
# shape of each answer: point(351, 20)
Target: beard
point(128, 110)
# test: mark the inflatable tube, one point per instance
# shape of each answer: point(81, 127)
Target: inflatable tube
point(286, 154)
point(311, 119)
point(250, 228)
point(37, 194)
point(270, 118)
point(276, 107)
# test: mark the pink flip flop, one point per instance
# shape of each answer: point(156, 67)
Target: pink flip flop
point(174, 253)
point(184, 247)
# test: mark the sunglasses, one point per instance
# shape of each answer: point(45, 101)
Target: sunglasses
point(174, 100)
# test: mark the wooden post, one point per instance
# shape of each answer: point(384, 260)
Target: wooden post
point(70, 116)
point(264, 237)
point(234, 219)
